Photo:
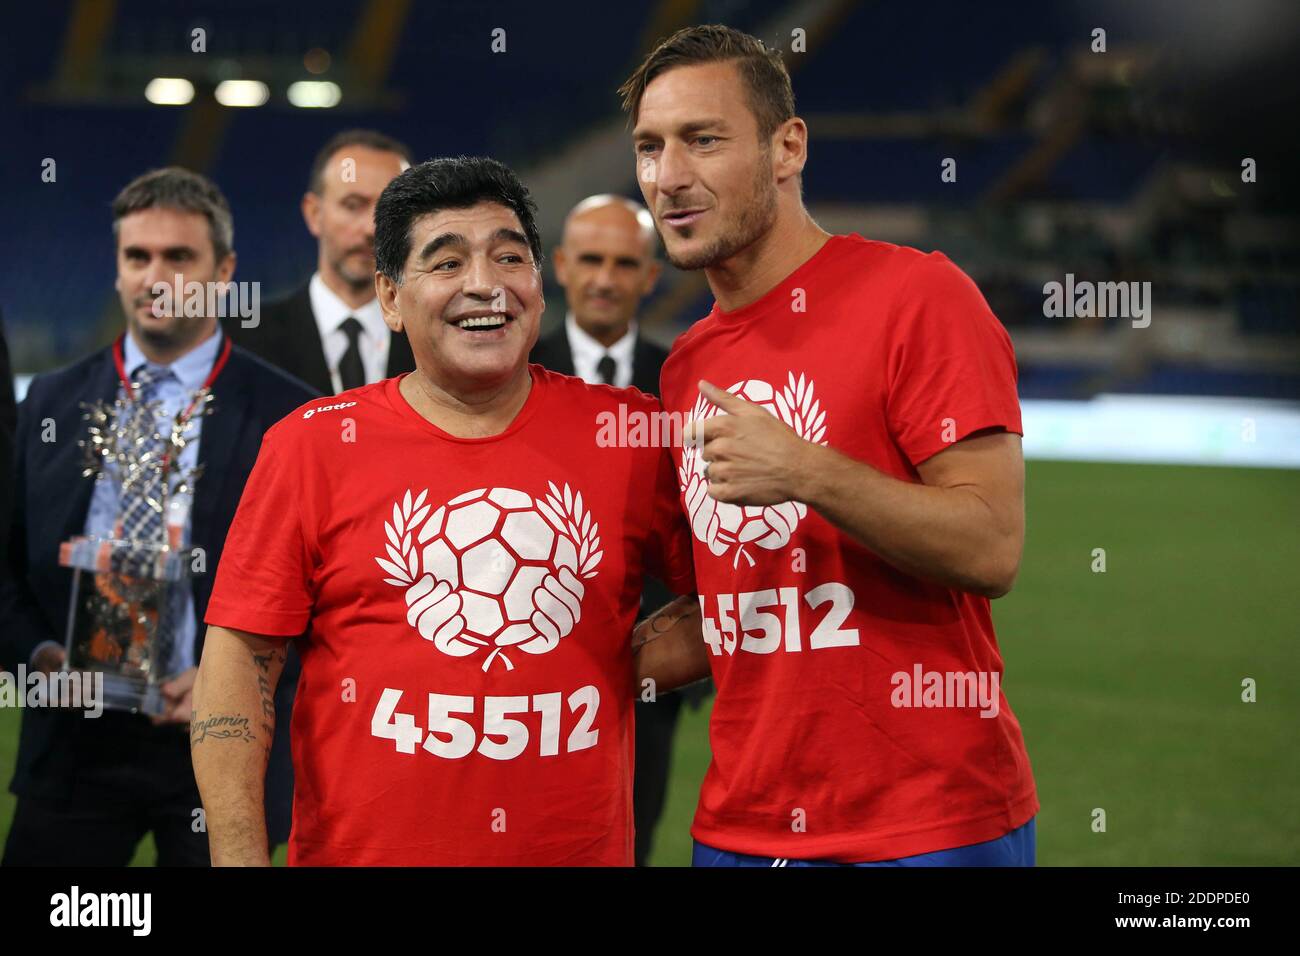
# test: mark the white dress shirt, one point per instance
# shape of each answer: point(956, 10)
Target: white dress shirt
point(587, 353)
point(374, 341)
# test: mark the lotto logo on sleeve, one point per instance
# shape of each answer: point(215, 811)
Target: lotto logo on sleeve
point(724, 527)
point(327, 408)
point(493, 571)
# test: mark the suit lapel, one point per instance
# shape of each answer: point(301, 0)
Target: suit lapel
point(224, 428)
point(304, 339)
point(231, 403)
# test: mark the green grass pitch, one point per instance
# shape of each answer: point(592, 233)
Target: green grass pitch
point(1128, 683)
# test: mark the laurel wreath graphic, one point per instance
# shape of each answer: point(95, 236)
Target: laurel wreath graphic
point(797, 407)
point(563, 510)
point(405, 564)
point(800, 410)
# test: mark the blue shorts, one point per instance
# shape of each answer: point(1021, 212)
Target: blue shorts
point(1014, 849)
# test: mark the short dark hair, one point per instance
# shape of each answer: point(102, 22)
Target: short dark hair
point(352, 137)
point(771, 98)
point(454, 182)
point(176, 188)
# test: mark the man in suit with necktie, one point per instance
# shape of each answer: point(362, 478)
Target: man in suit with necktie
point(90, 788)
point(606, 263)
point(330, 333)
point(607, 266)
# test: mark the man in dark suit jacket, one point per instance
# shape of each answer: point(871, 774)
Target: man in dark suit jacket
point(330, 333)
point(89, 789)
point(606, 263)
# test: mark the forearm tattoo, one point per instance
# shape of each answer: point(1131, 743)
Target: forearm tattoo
point(221, 727)
point(265, 692)
point(665, 619)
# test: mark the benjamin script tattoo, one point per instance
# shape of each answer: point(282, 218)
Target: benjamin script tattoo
point(222, 727)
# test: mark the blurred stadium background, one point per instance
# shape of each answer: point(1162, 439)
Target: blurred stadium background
point(1173, 447)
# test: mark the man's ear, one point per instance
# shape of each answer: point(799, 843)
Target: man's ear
point(311, 211)
point(386, 293)
point(226, 269)
point(561, 266)
point(791, 148)
point(652, 274)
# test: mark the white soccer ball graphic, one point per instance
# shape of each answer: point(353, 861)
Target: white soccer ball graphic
point(722, 526)
point(493, 569)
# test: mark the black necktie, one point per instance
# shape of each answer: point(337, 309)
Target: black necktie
point(605, 369)
point(352, 373)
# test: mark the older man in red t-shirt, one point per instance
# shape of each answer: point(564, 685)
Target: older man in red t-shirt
point(462, 553)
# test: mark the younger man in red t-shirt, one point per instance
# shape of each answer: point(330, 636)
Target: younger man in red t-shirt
point(856, 497)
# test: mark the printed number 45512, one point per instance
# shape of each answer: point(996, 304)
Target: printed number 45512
point(502, 737)
point(758, 629)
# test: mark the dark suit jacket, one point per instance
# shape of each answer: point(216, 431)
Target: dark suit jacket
point(287, 336)
point(51, 504)
point(647, 359)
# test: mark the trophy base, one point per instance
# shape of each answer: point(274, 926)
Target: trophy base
point(136, 696)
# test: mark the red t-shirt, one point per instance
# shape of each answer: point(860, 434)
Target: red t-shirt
point(887, 355)
point(466, 607)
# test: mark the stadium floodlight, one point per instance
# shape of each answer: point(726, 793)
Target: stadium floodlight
point(169, 91)
point(314, 94)
point(242, 93)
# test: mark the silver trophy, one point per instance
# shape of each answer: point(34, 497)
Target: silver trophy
point(127, 588)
